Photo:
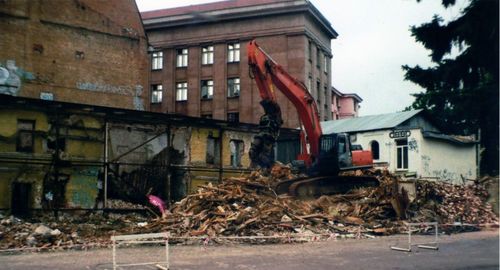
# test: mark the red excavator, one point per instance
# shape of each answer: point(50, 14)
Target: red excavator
point(323, 156)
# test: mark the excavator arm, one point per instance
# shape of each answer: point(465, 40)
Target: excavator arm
point(268, 75)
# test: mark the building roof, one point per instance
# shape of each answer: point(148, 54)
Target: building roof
point(351, 95)
point(231, 9)
point(204, 7)
point(367, 123)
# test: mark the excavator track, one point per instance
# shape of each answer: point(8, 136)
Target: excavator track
point(307, 187)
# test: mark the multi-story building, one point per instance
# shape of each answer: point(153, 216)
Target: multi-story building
point(85, 51)
point(200, 68)
point(344, 105)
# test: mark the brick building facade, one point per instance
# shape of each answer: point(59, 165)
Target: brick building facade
point(81, 51)
point(200, 68)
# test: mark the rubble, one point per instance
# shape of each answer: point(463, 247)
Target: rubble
point(249, 207)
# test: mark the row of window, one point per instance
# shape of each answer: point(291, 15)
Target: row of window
point(326, 59)
point(206, 89)
point(207, 56)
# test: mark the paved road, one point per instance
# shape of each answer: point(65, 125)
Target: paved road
point(479, 250)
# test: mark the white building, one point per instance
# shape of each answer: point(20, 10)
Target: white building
point(409, 143)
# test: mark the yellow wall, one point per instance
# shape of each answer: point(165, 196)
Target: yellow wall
point(8, 128)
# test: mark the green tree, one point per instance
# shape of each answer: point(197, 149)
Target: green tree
point(462, 92)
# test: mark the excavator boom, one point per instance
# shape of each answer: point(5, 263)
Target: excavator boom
point(324, 156)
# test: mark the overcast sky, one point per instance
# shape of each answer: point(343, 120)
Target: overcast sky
point(374, 42)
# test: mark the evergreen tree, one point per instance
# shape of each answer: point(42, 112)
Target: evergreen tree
point(462, 92)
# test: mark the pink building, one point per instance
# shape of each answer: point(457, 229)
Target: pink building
point(344, 105)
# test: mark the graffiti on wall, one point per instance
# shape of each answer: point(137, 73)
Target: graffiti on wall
point(413, 145)
point(135, 91)
point(11, 78)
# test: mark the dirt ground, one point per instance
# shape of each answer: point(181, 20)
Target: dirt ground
point(477, 250)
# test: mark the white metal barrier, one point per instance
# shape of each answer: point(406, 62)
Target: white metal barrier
point(428, 245)
point(142, 239)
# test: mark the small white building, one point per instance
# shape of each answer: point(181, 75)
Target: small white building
point(409, 143)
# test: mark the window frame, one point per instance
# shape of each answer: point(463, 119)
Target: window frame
point(230, 87)
point(238, 153)
point(29, 132)
point(207, 87)
point(318, 58)
point(183, 88)
point(235, 119)
point(326, 63)
point(402, 163)
point(156, 88)
point(233, 52)
point(207, 55)
point(182, 57)
point(157, 60)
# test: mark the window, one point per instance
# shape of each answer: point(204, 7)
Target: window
point(233, 52)
point(233, 117)
point(233, 87)
point(207, 55)
point(326, 64)
point(309, 51)
point(207, 116)
point(207, 89)
point(342, 145)
point(318, 57)
point(156, 93)
point(237, 149)
point(213, 150)
point(181, 91)
point(402, 154)
point(157, 60)
point(318, 92)
point(25, 136)
point(375, 150)
point(182, 57)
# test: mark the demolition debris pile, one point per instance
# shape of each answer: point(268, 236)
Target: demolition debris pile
point(249, 207)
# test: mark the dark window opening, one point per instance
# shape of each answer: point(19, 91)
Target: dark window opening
point(25, 136)
point(375, 150)
point(233, 117)
point(237, 148)
point(213, 150)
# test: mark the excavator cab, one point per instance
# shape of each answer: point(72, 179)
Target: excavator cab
point(334, 154)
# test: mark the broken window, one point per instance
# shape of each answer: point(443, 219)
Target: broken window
point(182, 57)
point(157, 60)
point(402, 154)
point(156, 93)
point(207, 89)
point(25, 136)
point(213, 150)
point(375, 149)
point(207, 55)
point(181, 91)
point(233, 52)
point(233, 87)
point(237, 149)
